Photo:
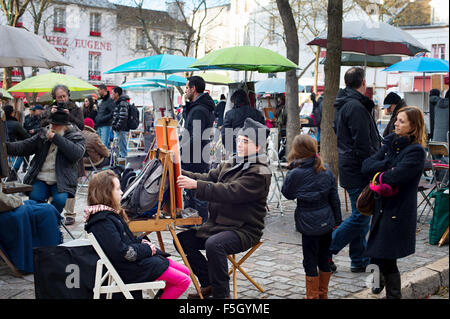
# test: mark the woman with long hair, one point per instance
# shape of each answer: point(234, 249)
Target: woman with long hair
point(89, 108)
point(318, 211)
point(400, 162)
point(136, 259)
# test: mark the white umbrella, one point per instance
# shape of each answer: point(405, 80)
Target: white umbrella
point(20, 47)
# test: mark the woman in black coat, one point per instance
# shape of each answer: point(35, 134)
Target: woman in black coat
point(393, 227)
point(89, 108)
point(134, 258)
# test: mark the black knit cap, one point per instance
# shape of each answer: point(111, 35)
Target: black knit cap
point(391, 98)
point(59, 117)
point(255, 131)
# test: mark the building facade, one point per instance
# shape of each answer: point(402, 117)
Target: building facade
point(96, 36)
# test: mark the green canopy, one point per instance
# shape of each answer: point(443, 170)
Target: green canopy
point(46, 82)
point(245, 58)
point(215, 78)
point(5, 94)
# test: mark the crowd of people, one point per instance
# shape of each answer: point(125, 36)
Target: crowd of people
point(231, 198)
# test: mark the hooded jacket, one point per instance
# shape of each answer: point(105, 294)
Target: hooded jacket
point(105, 111)
point(318, 206)
point(120, 115)
point(237, 193)
point(357, 136)
point(198, 116)
point(71, 148)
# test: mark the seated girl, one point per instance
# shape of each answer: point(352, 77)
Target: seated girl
point(135, 259)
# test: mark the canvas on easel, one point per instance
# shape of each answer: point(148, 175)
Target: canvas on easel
point(170, 127)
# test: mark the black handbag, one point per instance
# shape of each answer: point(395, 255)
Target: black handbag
point(64, 272)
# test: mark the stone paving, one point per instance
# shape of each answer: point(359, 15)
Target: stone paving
point(276, 265)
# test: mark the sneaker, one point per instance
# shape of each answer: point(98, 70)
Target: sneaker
point(333, 266)
point(69, 221)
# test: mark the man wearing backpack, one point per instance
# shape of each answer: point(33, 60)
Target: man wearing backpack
point(120, 119)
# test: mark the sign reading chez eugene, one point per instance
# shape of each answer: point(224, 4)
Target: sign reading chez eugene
point(79, 43)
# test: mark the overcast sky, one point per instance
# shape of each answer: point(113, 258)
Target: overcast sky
point(161, 4)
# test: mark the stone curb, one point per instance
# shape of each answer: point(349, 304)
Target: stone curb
point(416, 284)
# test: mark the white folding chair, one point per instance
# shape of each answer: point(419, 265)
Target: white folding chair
point(277, 175)
point(115, 283)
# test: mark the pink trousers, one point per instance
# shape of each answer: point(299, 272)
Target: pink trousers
point(177, 280)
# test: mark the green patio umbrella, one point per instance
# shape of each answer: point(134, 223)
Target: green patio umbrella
point(46, 82)
point(5, 94)
point(245, 58)
point(215, 78)
point(74, 96)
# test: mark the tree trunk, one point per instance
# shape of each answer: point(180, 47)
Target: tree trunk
point(292, 53)
point(328, 139)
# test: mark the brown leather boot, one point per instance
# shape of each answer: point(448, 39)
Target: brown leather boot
point(206, 292)
point(312, 287)
point(324, 279)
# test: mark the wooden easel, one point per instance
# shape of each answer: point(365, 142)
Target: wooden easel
point(157, 225)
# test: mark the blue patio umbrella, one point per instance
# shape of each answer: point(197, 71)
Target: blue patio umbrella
point(139, 84)
point(173, 79)
point(273, 86)
point(420, 64)
point(162, 63)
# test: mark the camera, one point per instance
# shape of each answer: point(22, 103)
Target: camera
point(61, 106)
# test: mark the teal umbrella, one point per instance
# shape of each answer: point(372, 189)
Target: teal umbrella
point(173, 79)
point(420, 64)
point(273, 86)
point(162, 63)
point(139, 84)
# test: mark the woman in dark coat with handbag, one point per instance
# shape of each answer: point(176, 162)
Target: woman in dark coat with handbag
point(393, 229)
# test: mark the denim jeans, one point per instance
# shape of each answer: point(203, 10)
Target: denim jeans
point(123, 143)
point(104, 132)
point(42, 191)
point(353, 231)
point(199, 205)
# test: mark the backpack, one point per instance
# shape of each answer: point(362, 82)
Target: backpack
point(133, 117)
point(141, 195)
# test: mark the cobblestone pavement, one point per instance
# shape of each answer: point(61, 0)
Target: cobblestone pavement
point(276, 265)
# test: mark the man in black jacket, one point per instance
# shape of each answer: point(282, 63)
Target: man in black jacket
point(104, 116)
point(120, 119)
point(357, 139)
point(198, 118)
point(235, 118)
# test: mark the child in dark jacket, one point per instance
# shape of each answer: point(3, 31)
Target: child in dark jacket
point(135, 259)
point(318, 211)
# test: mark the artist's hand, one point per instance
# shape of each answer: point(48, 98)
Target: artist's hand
point(186, 182)
point(50, 134)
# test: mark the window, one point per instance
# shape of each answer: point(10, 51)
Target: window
point(438, 51)
point(94, 73)
point(94, 23)
point(59, 20)
point(60, 69)
point(170, 43)
point(141, 39)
